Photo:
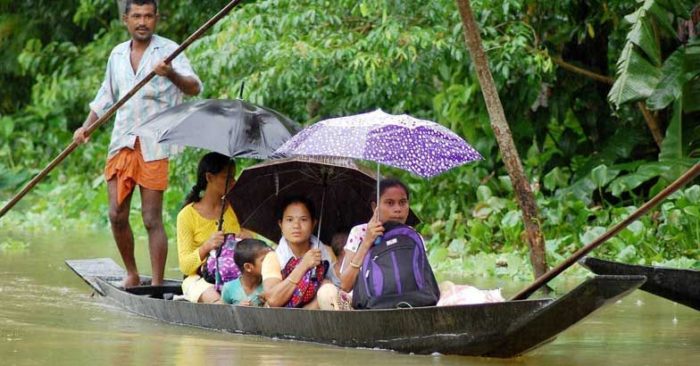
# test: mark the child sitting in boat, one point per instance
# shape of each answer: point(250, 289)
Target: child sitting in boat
point(298, 270)
point(337, 244)
point(197, 225)
point(247, 289)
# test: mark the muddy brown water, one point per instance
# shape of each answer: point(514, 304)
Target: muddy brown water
point(47, 316)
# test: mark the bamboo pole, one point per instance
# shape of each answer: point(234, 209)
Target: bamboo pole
point(102, 120)
point(500, 127)
point(541, 281)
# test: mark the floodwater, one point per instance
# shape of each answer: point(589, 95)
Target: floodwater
point(47, 316)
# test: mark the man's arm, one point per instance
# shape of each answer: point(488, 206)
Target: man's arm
point(188, 84)
point(104, 100)
point(79, 135)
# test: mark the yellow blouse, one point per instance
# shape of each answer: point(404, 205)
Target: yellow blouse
point(193, 230)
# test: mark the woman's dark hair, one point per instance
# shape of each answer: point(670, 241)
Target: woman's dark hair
point(129, 3)
point(247, 250)
point(213, 163)
point(387, 183)
point(286, 201)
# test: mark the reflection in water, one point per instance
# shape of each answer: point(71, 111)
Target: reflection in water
point(48, 317)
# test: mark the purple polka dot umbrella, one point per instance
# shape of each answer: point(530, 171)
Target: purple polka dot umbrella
point(418, 146)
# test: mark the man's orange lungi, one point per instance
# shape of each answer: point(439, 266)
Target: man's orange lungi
point(130, 170)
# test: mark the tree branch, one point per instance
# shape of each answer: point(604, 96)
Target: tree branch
point(581, 71)
point(649, 118)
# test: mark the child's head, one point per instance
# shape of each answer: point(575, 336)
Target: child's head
point(249, 254)
point(338, 242)
point(211, 174)
point(393, 201)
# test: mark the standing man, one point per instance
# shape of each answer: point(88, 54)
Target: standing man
point(135, 160)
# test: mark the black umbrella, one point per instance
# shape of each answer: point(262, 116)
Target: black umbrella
point(340, 190)
point(235, 128)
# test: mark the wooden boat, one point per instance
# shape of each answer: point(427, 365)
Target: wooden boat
point(679, 285)
point(505, 329)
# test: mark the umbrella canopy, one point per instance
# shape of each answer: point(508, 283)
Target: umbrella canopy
point(340, 190)
point(421, 147)
point(234, 128)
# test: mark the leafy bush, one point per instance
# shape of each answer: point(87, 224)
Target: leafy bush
point(317, 59)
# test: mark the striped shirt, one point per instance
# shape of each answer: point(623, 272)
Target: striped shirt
point(158, 94)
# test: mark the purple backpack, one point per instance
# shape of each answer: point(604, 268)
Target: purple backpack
point(396, 273)
point(228, 270)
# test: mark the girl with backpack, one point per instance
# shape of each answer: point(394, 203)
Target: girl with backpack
point(392, 276)
point(197, 224)
point(299, 269)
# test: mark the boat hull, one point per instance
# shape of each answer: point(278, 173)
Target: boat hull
point(504, 329)
point(679, 285)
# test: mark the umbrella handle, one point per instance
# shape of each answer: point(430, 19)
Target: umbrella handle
point(378, 239)
point(223, 198)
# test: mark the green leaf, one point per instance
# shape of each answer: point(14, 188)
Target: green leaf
point(438, 255)
point(670, 87)
point(599, 175)
point(662, 15)
point(692, 194)
point(642, 33)
point(691, 96)
point(638, 70)
point(483, 193)
point(691, 61)
point(693, 211)
point(626, 255)
point(634, 180)
point(592, 234)
point(511, 219)
point(672, 145)
point(556, 178)
point(456, 247)
point(636, 79)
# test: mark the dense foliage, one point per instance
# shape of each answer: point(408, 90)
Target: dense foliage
point(590, 162)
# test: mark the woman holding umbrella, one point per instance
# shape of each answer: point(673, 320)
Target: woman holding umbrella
point(393, 206)
point(197, 225)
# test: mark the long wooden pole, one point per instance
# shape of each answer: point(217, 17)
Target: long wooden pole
point(526, 199)
point(678, 183)
point(102, 120)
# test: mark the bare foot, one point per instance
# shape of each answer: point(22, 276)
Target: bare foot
point(131, 280)
point(154, 283)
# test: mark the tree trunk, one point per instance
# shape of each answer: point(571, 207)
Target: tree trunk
point(500, 127)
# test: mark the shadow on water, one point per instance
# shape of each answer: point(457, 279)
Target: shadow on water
point(49, 317)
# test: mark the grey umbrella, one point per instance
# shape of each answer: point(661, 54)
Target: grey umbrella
point(235, 128)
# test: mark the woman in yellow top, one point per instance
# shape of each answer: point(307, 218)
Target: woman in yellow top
point(197, 225)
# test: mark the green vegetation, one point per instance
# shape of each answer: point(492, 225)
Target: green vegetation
point(590, 152)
